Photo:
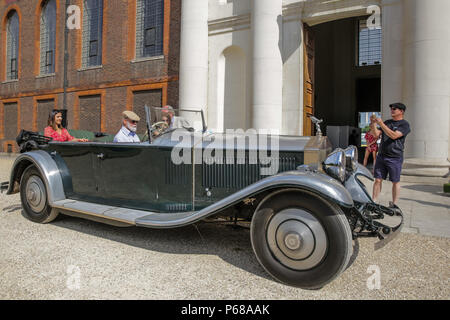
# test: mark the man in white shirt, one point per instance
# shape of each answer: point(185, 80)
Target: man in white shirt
point(129, 126)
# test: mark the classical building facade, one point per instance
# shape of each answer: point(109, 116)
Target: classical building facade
point(272, 63)
point(125, 54)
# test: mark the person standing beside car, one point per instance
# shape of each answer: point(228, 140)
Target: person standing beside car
point(390, 155)
point(129, 126)
point(56, 131)
point(371, 137)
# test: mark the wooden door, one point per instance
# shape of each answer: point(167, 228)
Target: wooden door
point(308, 80)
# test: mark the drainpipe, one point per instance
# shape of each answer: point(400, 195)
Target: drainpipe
point(66, 55)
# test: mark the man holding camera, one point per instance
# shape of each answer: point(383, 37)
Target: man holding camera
point(390, 155)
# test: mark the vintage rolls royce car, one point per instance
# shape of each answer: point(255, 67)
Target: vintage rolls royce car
point(304, 202)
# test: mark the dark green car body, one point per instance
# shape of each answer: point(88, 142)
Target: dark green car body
point(142, 176)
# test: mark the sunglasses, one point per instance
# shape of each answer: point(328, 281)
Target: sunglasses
point(133, 121)
point(394, 108)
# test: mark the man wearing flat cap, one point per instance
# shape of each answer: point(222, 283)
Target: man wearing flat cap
point(129, 126)
point(390, 154)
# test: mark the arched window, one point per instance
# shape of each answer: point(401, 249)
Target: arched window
point(12, 45)
point(149, 28)
point(48, 37)
point(92, 33)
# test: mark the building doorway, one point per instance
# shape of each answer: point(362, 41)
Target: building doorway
point(346, 71)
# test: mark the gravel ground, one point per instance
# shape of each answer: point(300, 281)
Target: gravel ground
point(73, 258)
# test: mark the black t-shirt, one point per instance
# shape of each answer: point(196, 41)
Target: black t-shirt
point(394, 148)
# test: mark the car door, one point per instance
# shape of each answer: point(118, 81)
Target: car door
point(78, 166)
point(141, 176)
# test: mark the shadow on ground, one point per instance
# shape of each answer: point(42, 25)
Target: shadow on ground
point(434, 189)
point(12, 208)
point(230, 243)
point(428, 203)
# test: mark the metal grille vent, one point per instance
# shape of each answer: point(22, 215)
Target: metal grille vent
point(179, 207)
point(177, 174)
point(240, 174)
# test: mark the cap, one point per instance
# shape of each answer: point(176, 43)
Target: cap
point(167, 109)
point(130, 115)
point(398, 105)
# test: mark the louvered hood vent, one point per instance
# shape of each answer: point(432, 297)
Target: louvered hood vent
point(240, 174)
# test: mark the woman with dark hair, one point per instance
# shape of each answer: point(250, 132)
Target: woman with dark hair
point(55, 129)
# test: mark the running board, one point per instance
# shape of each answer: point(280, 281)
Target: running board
point(125, 215)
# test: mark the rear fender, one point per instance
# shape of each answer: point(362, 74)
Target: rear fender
point(48, 170)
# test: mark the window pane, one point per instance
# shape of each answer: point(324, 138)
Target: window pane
point(369, 45)
point(12, 43)
point(92, 33)
point(48, 37)
point(149, 28)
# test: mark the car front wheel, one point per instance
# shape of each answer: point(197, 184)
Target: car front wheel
point(301, 239)
point(33, 195)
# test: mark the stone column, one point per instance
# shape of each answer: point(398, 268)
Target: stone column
point(267, 64)
point(392, 46)
point(292, 119)
point(193, 88)
point(426, 80)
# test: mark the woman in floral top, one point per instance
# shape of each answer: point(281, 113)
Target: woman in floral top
point(55, 129)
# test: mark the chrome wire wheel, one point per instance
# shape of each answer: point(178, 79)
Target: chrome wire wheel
point(297, 239)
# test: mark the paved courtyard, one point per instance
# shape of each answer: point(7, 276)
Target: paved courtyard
point(73, 258)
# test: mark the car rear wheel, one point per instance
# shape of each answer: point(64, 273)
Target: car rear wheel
point(300, 239)
point(33, 195)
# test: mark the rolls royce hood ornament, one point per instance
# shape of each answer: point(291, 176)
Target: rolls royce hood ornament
point(317, 123)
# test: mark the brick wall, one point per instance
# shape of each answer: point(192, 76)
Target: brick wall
point(116, 80)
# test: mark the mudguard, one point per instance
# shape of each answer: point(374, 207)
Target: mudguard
point(356, 188)
point(314, 182)
point(48, 169)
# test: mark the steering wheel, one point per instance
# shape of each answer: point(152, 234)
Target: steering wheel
point(159, 127)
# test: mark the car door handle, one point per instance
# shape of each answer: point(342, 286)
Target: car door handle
point(101, 156)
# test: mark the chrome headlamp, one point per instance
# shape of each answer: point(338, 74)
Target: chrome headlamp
point(351, 155)
point(335, 164)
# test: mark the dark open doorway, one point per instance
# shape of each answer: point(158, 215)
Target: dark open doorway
point(347, 65)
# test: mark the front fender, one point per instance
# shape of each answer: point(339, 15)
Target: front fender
point(356, 188)
point(48, 170)
point(314, 182)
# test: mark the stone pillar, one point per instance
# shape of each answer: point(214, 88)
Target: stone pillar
point(426, 80)
point(292, 119)
point(193, 88)
point(267, 64)
point(392, 63)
